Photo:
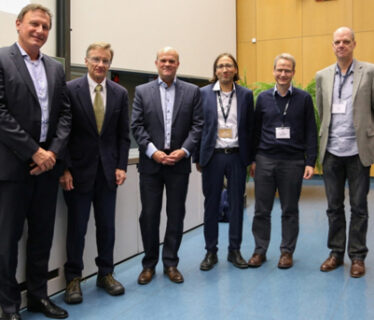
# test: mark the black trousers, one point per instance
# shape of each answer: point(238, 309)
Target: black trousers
point(336, 170)
point(231, 166)
point(286, 176)
point(34, 200)
point(79, 206)
point(151, 193)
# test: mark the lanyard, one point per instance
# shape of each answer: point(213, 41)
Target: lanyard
point(285, 108)
point(225, 115)
point(345, 77)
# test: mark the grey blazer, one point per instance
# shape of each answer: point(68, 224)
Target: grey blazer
point(363, 108)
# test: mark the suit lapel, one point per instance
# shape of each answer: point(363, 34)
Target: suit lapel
point(330, 86)
point(238, 103)
point(179, 92)
point(109, 107)
point(22, 69)
point(83, 95)
point(156, 97)
point(50, 80)
point(357, 76)
point(212, 105)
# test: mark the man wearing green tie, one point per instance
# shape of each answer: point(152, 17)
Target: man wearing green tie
point(96, 164)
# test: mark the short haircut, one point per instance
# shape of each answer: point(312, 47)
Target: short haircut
point(100, 45)
point(34, 7)
point(285, 56)
point(166, 49)
point(229, 55)
point(349, 29)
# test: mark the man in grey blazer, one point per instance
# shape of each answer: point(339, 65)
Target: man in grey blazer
point(345, 102)
point(35, 123)
point(166, 122)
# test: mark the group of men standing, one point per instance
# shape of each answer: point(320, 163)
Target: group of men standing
point(78, 134)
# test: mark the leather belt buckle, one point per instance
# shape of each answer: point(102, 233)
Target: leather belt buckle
point(227, 151)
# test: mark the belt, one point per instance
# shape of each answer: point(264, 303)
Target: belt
point(226, 150)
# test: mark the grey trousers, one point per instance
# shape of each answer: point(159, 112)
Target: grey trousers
point(285, 176)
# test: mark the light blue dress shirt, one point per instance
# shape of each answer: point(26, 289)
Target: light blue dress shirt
point(342, 137)
point(39, 78)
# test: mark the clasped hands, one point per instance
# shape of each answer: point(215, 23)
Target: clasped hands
point(43, 160)
point(168, 159)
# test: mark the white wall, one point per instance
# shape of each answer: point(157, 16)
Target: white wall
point(8, 34)
point(198, 29)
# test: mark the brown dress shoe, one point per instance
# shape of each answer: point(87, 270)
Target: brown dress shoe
point(73, 292)
point(256, 260)
point(285, 260)
point(173, 274)
point(146, 276)
point(110, 285)
point(357, 268)
point(331, 263)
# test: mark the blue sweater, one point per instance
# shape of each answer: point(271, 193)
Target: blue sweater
point(299, 118)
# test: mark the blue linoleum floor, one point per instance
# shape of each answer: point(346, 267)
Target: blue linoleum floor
point(225, 292)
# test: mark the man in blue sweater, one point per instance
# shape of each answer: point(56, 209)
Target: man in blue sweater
point(286, 151)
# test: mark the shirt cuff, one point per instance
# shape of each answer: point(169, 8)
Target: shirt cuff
point(151, 149)
point(186, 151)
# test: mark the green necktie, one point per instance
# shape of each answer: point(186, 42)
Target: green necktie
point(99, 107)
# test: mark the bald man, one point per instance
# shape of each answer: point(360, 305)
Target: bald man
point(166, 122)
point(346, 107)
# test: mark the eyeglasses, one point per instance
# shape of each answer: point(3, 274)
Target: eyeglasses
point(96, 60)
point(286, 71)
point(227, 66)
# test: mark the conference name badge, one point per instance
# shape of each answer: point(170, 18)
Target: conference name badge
point(225, 133)
point(282, 133)
point(339, 108)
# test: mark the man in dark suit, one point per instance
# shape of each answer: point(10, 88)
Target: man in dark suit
point(35, 123)
point(344, 96)
point(96, 164)
point(166, 123)
point(226, 150)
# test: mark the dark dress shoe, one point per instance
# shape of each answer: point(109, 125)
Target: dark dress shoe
point(357, 268)
point(9, 315)
point(47, 307)
point(331, 263)
point(73, 292)
point(110, 285)
point(256, 260)
point(173, 274)
point(146, 276)
point(285, 260)
point(209, 261)
point(236, 259)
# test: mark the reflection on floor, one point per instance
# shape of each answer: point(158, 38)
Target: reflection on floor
point(225, 292)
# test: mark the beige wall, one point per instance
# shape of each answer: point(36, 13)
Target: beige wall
point(301, 27)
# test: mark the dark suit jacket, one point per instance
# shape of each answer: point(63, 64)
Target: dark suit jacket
point(20, 114)
point(245, 124)
point(148, 125)
point(86, 147)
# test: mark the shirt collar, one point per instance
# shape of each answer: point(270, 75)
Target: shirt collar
point(351, 69)
point(290, 89)
point(217, 87)
point(25, 55)
point(92, 83)
point(164, 84)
